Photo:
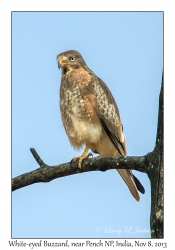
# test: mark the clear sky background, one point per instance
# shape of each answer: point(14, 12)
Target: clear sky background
point(125, 49)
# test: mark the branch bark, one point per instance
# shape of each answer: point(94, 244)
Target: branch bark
point(155, 174)
point(47, 173)
point(151, 164)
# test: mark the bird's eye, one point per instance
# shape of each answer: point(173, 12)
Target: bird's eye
point(72, 58)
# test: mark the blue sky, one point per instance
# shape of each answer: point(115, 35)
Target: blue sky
point(125, 49)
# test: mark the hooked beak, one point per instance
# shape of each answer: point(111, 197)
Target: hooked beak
point(62, 61)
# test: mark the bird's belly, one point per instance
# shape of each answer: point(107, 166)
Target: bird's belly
point(83, 132)
point(80, 119)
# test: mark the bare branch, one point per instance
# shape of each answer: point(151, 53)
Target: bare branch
point(48, 173)
point(155, 173)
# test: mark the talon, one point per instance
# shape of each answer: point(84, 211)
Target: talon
point(85, 155)
point(90, 154)
point(74, 159)
point(77, 159)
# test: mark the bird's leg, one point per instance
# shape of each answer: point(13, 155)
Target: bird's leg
point(85, 155)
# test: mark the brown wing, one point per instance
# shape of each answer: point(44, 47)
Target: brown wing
point(109, 117)
point(108, 113)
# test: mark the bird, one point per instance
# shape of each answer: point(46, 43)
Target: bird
point(91, 116)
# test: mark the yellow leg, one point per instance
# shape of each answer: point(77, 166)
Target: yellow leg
point(85, 155)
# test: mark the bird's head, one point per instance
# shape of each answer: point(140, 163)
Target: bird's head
point(70, 60)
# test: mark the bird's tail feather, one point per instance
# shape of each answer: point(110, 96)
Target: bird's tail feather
point(129, 180)
point(138, 185)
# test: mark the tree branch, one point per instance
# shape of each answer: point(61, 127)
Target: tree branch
point(48, 173)
point(155, 173)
